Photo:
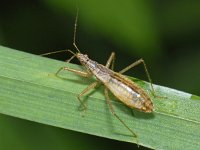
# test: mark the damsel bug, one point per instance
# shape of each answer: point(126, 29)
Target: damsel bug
point(124, 89)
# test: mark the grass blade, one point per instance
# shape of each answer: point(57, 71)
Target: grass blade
point(30, 90)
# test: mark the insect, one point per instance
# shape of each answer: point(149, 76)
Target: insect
point(124, 89)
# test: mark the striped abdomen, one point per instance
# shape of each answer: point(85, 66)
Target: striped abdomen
point(122, 88)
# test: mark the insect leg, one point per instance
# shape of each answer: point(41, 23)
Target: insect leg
point(61, 51)
point(111, 61)
point(78, 72)
point(68, 60)
point(91, 86)
point(113, 112)
point(146, 71)
point(55, 52)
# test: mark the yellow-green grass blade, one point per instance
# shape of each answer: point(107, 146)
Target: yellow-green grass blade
point(30, 90)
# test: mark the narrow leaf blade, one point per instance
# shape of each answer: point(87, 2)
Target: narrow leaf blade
point(30, 90)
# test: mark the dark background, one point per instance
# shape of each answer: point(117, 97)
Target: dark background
point(165, 34)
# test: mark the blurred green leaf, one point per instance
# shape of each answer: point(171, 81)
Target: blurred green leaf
point(180, 18)
point(30, 90)
point(130, 23)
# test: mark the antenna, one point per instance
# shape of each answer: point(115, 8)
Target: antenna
point(74, 42)
point(75, 28)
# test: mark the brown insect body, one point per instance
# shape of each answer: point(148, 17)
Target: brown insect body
point(122, 88)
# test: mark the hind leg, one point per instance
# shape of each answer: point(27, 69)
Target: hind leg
point(140, 61)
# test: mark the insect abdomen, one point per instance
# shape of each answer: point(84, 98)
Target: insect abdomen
point(122, 88)
point(124, 93)
point(129, 93)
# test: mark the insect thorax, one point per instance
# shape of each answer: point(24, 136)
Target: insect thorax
point(101, 72)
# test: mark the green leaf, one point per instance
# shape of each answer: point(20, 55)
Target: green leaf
point(30, 90)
